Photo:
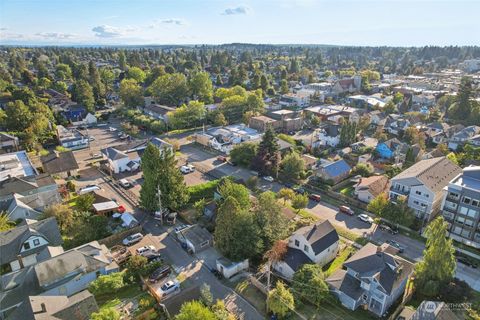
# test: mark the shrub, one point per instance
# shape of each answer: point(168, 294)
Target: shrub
point(107, 284)
point(71, 186)
point(202, 191)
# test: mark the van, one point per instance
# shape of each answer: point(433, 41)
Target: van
point(88, 189)
point(125, 183)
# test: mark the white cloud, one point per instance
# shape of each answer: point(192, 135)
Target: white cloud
point(55, 35)
point(171, 21)
point(106, 31)
point(3, 29)
point(237, 10)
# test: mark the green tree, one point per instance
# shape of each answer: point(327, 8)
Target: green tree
point(378, 204)
point(107, 284)
point(270, 219)
point(85, 202)
point(201, 87)
point(5, 223)
point(206, 295)
point(149, 191)
point(462, 108)
point(63, 214)
point(131, 93)
point(227, 188)
point(237, 236)
point(243, 153)
point(187, 116)
point(18, 116)
point(362, 169)
point(135, 267)
point(194, 310)
point(300, 201)
point(397, 98)
point(170, 89)
point(63, 71)
point(109, 313)
point(122, 61)
point(255, 102)
point(283, 86)
point(309, 284)
point(438, 265)
point(286, 194)
point(220, 120)
point(280, 300)
point(389, 107)
point(348, 133)
point(83, 94)
point(292, 167)
point(267, 160)
point(136, 74)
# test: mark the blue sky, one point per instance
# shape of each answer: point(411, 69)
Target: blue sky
point(342, 22)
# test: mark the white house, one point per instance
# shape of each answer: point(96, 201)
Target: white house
point(369, 188)
point(328, 136)
point(317, 244)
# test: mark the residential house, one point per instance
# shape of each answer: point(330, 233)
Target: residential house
point(37, 192)
point(396, 125)
point(462, 137)
point(261, 123)
point(362, 101)
point(16, 164)
point(369, 188)
point(71, 138)
point(8, 143)
point(16, 209)
point(315, 244)
point(29, 243)
point(74, 113)
point(391, 149)
point(62, 164)
point(196, 238)
point(309, 161)
point(436, 132)
point(422, 185)
point(374, 277)
point(76, 307)
point(224, 138)
point(429, 310)
point(64, 274)
point(350, 85)
point(461, 206)
point(365, 143)
point(157, 111)
point(299, 99)
point(335, 171)
point(328, 136)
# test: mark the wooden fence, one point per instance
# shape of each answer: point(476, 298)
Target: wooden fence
point(117, 238)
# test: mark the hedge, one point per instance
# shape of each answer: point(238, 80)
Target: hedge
point(203, 191)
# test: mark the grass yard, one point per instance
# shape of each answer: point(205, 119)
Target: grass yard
point(348, 191)
point(252, 295)
point(351, 236)
point(339, 260)
point(115, 298)
point(332, 309)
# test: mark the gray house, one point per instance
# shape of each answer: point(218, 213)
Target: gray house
point(196, 238)
point(373, 277)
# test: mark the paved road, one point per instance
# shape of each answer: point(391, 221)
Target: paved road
point(197, 272)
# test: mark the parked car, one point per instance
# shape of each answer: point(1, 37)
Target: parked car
point(96, 155)
point(112, 129)
point(467, 262)
point(121, 209)
point(153, 257)
point(89, 188)
point(169, 287)
point(92, 138)
point(268, 178)
point(299, 190)
point(181, 227)
point(388, 229)
point(125, 183)
point(222, 158)
point(132, 239)
point(145, 250)
point(315, 197)
point(289, 185)
point(187, 169)
point(365, 218)
point(397, 245)
point(346, 210)
point(159, 273)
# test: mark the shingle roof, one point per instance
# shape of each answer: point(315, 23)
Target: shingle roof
point(24, 184)
point(12, 240)
point(374, 184)
point(320, 236)
point(296, 258)
point(345, 283)
point(434, 173)
point(337, 168)
point(113, 154)
point(57, 162)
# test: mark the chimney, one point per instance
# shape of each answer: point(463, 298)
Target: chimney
point(379, 250)
point(20, 261)
point(43, 309)
point(57, 154)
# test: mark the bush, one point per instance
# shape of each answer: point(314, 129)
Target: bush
point(202, 191)
point(71, 186)
point(107, 284)
point(286, 138)
point(456, 291)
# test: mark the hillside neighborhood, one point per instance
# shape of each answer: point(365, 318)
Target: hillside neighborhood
point(239, 182)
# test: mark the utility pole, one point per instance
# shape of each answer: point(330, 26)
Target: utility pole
point(159, 193)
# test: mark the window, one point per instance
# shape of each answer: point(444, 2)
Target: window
point(416, 202)
point(418, 192)
point(453, 195)
point(466, 233)
point(203, 244)
point(36, 242)
point(466, 200)
point(26, 245)
point(475, 203)
point(460, 220)
point(427, 195)
point(457, 230)
point(423, 205)
point(305, 248)
point(297, 243)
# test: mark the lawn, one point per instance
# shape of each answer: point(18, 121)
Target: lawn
point(332, 309)
point(351, 236)
point(348, 191)
point(338, 262)
point(252, 295)
point(115, 298)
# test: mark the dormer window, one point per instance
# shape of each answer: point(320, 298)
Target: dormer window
point(297, 243)
point(36, 242)
point(26, 245)
point(305, 248)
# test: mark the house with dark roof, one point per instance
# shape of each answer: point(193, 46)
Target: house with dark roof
point(60, 163)
point(328, 136)
point(463, 136)
point(374, 277)
point(196, 238)
point(369, 188)
point(8, 143)
point(335, 171)
point(314, 244)
point(76, 307)
point(15, 208)
point(422, 184)
point(29, 243)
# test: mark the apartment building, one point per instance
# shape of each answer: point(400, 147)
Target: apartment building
point(422, 184)
point(461, 207)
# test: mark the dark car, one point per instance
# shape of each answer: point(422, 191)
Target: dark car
point(397, 245)
point(222, 158)
point(153, 257)
point(388, 229)
point(467, 262)
point(299, 190)
point(315, 197)
point(346, 210)
point(289, 185)
point(159, 273)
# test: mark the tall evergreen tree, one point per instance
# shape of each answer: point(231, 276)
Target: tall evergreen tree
point(268, 158)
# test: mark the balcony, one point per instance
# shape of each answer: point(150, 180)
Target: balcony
point(399, 190)
point(448, 209)
point(452, 198)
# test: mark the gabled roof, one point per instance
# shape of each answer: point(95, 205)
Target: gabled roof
point(24, 184)
point(296, 258)
point(345, 283)
point(57, 162)
point(113, 154)
point(320, 235)
point(337, 168)
point(375, 185)
point(11, 241)
point(434, 173)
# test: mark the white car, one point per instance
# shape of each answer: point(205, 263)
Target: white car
point(145, 250)
point(131, 239)
point(365, 218)
point(89, 188)
point(112, 129)
point(125, 183)
point(169, 287)
point(187, 169)
point(268, 178)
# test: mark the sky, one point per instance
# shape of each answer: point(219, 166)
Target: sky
point(145, 22)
